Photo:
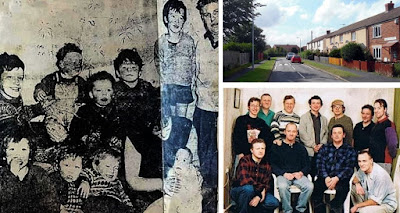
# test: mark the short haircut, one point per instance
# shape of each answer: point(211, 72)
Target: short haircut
point(128, 55)
point(257, 140)
point(252, 99)
point(173, 5)
point(290, 123)
point(63, 51)
point(202, 3)
point(365, 151)
point(381, 102)
point(315, 97)
point(367, 106)
point(9, 62)
point(265, 94)
point(338, 125)
point(102, 75)
point(102, 153)
point(287, 97)
point(66, 152)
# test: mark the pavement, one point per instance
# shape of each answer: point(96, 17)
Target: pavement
point(239, 74)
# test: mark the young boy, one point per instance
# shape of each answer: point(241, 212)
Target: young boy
point(63, 91)
point(138, 106)
point(183, 184)
point(97, 123)
point(12, 110)
point(66, 179)
point(177, 60)
point(104, 184)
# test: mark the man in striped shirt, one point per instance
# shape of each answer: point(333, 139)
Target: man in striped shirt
point(282, 118)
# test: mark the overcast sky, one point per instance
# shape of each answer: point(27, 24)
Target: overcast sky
point(285, 20)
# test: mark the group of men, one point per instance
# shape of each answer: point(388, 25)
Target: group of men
point(294, 147)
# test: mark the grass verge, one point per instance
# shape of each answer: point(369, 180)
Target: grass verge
point(231, 72)
point(341, 73)
point(260, 73)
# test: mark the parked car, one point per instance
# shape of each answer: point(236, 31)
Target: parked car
point(296, 59)
point(290, 55)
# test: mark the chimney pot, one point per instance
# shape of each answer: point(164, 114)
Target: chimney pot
point(328, 31)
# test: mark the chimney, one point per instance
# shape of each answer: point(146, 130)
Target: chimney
point(389, 6)
point(328, 31)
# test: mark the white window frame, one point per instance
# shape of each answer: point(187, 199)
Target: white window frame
point(377, 52)
point(376, 31)
point(341, 38)
point(331, 40)
point(353, 36)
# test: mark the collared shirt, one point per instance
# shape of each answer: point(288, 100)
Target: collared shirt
point(267, 118)
point(250, 172)
point(317, 127)
point(378, 186)
point(340, 162)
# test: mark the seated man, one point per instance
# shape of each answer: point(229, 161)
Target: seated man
point(373, 190)
point(291, 165)
point(252, 181)
point(335, 164)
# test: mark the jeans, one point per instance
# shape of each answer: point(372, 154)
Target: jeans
point(306, 187)
point(242, 195)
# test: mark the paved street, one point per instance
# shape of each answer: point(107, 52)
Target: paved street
point(285, 71)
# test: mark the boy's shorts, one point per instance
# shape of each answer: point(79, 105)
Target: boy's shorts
point(173, 94)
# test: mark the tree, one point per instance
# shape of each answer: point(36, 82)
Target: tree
point(352, 51)
point(238, 13)
point(335, 53)
point(294, 50)
point(243, 35)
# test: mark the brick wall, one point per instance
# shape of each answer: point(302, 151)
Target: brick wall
point(388, 29)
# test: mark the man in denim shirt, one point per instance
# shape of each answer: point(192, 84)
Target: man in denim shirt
point(335, 163)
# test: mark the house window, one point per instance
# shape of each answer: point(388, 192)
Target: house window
point(341, 38)
point(377, 52)
point(376, 31)
point(353, 36)
point(331, 40)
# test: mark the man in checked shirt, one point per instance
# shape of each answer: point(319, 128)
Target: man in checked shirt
point(335, 163)
point(252, 181)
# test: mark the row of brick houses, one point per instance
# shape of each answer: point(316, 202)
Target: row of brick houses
point(379, 33)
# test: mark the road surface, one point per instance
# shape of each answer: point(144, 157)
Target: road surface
point(285, 71)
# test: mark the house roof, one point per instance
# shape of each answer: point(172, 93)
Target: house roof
point(381, 17)
point(286, 46)
point(319, 38)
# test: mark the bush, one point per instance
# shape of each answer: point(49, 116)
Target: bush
point(396, 69)
point(368, 56)
point(307, 54)
point(335, 53)
point(275, 52)
point(241, 47)
point(352, 51)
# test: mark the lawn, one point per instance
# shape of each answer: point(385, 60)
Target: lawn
point(260, 73)
point(341, 73)
point(231, 72)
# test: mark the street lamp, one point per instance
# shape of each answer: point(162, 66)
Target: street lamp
point(252, 39)
point(300, 44)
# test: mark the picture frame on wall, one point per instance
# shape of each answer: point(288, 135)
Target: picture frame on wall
point(236, 99)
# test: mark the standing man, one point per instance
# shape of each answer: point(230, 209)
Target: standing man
point(339, 117)
point(313, 130)
point(206, 112)
point(335, 164)
point(362, 130)
point(282, 118)
point(373, 190)
point(252, 181)
point(249, 127)
point(266, 113)
point(383, 140)
point(291, 165)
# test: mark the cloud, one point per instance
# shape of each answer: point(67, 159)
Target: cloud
point(277, 13)
point(331, 10)
point(304, 16)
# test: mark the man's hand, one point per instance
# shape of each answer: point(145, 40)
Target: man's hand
point(241, 155)
point(254, 202)
point(84, 189)
point(359, 189)
point(333, 183)
point(317, 148)
point(288, 176)
point(278, 142)
point(354, 209)
point(263, 195)
point(41, 95)
point(328, 181)
point(298, 175)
